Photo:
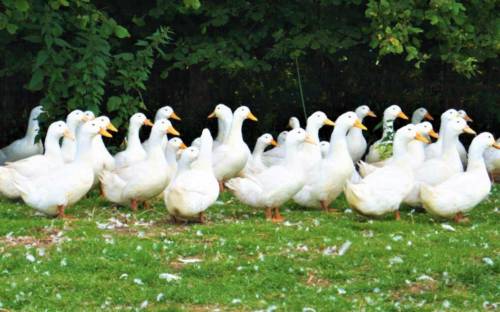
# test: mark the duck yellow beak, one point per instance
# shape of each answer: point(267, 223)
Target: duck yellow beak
point(172, 131)
point(274, 143)
point(85, 118)
point(183, 146)
point(421, 138)
point(428, 117)
point(469, 131)
point(148, 122)
point(403, 116)
point(174, 116)
point(358, 124)
point(212, 115)
point(68, 135)
point(433, 134)
point(111, 127)
point(371, 114)
point(467, 118)
point(328, 122)
point(310, 140)
point(496, 145)
point(105, 133)
point(252, 117)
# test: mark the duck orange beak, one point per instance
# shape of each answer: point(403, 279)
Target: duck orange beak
point(148, 122)
point(183, 146)
point(173, 131)
point(310, 140)
point(274, 143)
point(421, 138)
point(371, 114)
point(111, 127)
point(433, 134)
point(358, 124)
point(467, 118)
point(403, 116)
point(428, 117)
point(174, 116)
point(105, 133)
point(68, 135)
point(252, 117)
point(328, 122)
point(469, 131)
point(496, 145)
point(85, 118)
point(212, 115)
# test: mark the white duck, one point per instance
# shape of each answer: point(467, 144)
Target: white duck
point(73, 121)
point(277, 184)
point(165, 112)
point(293, 122)
point(383, 191)
point(141, 180)
point(174, 145)
point(52, 192)
point(37, 164)
point(134, 151)
point(230, 157)
point(356, 142)
point(195, 187)
point(26, 146)
point(435, 149)
point(224, 117)
point(382, 148)
point(277, 153)
point(324, 147)
point(463, 191)
point(101, 158)
point(326, 180)
point(254, 164)
point(460, 147)
point(89, 115)
point(492, 159)
point(419, 115)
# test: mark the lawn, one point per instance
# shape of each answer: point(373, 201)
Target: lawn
point(110, 259)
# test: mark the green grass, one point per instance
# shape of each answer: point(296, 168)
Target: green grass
point(247, 263)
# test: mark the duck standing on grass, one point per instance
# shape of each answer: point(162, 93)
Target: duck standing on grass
point(52, 192)
point(141, 180)
point(383, 190)
point(271, 188)
point(26, 146)
point(36, 165)
point(165, 112)
point(195, 187)
point(230, 157)
point(134, 151)
point(463, 191)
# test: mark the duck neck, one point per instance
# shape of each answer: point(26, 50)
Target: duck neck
point(400, 149)
point(83, 148)
point(133, 135)
point(312, 130)
point(156, 153)
point(388, 129)
point(338, 142)
point(52, 147)
point(32, 130)
point(416, 118)
point(204, 160)
point(291, 155)
point(235, 134)
point(450, 144)
point(355, 132)
point(475, 158)
point(171, 155)
point(258, 151)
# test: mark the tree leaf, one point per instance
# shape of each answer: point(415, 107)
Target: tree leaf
point(121, 32)
point(22, 5)
point(36, 82)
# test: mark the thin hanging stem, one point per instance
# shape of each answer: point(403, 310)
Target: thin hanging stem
point(300, 88)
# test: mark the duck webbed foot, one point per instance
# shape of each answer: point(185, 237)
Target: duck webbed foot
point(277, 216)
point(133, 205)
point(397, 215)
point(459, 218)
point(325, 207)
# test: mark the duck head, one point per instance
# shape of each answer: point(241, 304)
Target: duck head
point(139, 119)
point(348, 120)
point(221, 111)
point(60, 129)
point(464, 115)
point(104, 122)
point(266, 139)
point(394, 111)
point(176, 144)
point(293, 123)
point(363, 111)
point(166, 112)
point(425, 129)
point(458, 126)
point(420, 114)
point(242, 113)
point(319, 119)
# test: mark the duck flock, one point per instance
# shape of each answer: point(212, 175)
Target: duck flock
point(403, 166)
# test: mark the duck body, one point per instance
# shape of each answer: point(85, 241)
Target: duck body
point(277, 153)
point(255, 164)
point(35, 165)
point(463, 191)
point(50, 193)
point(195, 187)
point(356, 142)
point(327, 179)
point(134, 151)
point(26, 146)
point(435, 149)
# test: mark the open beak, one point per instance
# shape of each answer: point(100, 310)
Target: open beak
point(433, 134)
point(310, 140)
point(212, 115)
point(252, 117)
point(174, 116)
point(183, 146)
point(371, 114)
point(403, 116)
point(421, 138)
point(468, 119)
point(68, 135)
point(172, 130)
point(428, 117)
point(105, 133)
point(148, 122)
point(274, 143)
point(358, 124)
point(496, 145)
point(469, 131)
point(328, 122)
point(111, 127)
